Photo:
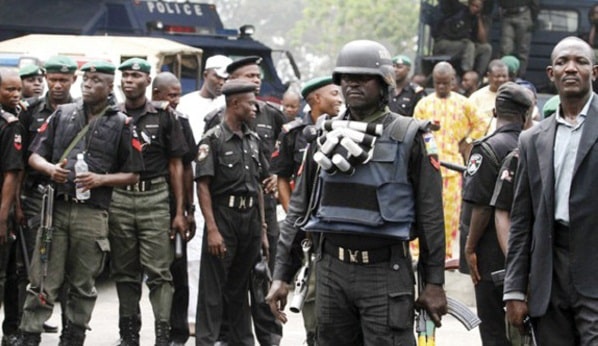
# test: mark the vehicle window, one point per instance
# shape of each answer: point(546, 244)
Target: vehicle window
point(558, 20)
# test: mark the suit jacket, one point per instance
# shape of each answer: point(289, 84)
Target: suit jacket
point(530, 255)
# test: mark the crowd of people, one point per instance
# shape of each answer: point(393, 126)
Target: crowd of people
point(375, 175)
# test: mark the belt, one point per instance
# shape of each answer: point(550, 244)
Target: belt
point(236, 202)
point(361, 256)
point(145, 185)
point(514, 10)
point(70, 199)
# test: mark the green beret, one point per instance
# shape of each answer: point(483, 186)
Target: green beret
point(233, 87)
point(551, 106)
point(31, 70)
point(401, 60)
point(315, 84)
point(99, 66)
point(515, 93)
point(135, 64)
point(60, 64)
point(248, 60)
point(512, 63)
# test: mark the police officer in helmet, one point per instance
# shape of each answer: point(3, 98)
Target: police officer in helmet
point(367, 205)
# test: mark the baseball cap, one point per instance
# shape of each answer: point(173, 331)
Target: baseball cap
point(218, 63)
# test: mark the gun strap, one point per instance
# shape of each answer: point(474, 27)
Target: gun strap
point(74, 142)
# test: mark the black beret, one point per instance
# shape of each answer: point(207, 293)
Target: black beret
point(248, 60)
point(233, 87)
point(516, 94)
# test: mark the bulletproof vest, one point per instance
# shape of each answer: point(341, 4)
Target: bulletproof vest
point(101, 141)
point(378, 198)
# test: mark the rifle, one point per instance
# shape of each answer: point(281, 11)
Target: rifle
point(23, 243)
point(426, 329)
point(453, 166)
point(261, 279)
point(302, 281)
point(47, 230)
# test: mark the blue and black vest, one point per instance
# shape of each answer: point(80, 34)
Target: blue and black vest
point(378, 199)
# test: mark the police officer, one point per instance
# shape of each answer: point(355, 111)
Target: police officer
point(140, 213)
point(481, 248)
point(60, 76)
point(268, 125)
point(365, 286)
point(80, 238)
point(11, 166)
point(166, 87)
point(406, 94)
point(230, 168)
point(324, 99)
point(32, 77)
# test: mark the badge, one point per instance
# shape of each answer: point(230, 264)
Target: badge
point(136, 144)
point(17, 142)
point(475, 161)
point(506, 175)
point(44, 126)
point(203, 152)
point(430, 143)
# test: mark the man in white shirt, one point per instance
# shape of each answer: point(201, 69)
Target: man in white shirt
point(196, 105)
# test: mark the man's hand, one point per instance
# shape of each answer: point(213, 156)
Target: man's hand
point(472, 263)
point(89, 180)
point(277, 299)
point(192, 226)
point(516, 312)
point(179, 224)
point(433, 299)
point(58, 173)
point(270, 184)
point(216, 245)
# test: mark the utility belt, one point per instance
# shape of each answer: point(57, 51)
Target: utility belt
point(70, 199)
point(363, 256)
point(145, 185)
point(238, 202)
point(513, 10)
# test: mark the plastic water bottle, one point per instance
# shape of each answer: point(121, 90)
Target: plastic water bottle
point(81, 167)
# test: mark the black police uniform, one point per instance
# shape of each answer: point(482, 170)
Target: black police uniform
point(426, 181)
point(268, 125)
point(404, 102)
point(485, 161)
point(179, 326)
point(140, 243)
point(287, 159)
point(236, 166)
point(11, 151)
point(502, 197)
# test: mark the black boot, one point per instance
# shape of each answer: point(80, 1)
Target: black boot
point(162, 333)
point(72, 335)
point(29, 339)
point(129, 330)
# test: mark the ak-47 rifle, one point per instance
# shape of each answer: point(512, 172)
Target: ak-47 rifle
point(47, 230)
point(302, 281)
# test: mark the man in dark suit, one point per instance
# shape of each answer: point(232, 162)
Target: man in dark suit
point(551, 259)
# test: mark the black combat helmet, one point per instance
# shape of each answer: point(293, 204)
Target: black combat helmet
point(364, 57)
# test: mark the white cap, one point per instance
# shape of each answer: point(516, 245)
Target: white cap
point(219, 64)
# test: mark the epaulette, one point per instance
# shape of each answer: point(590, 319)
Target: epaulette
point(161, 104)
point(216, 131)
point(180, 114)
point(288, 127)
point(210, 116)
point(273, 105)
point(417, 88)
point(8, 117)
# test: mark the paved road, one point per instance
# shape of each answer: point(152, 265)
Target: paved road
point(104, 322)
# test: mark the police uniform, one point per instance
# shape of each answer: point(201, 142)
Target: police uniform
point(140, 217)
point(179, 327)
point(236, 166)
point(480, 177)
point(404, 102)
point(11, 151)
point(268, 125)
point(80, 238)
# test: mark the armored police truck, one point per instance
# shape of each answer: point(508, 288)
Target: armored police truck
point(557, 19)
point(188, 22)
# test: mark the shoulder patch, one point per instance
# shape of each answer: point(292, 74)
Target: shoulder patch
point(288, 127)
point(475, 161)
point(8, 117)
point(418, 89)
point(18, 142)
point(430, 143)
point(202, 152)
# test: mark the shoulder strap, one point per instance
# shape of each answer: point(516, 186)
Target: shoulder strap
point(74, 142)
point(491, 154)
